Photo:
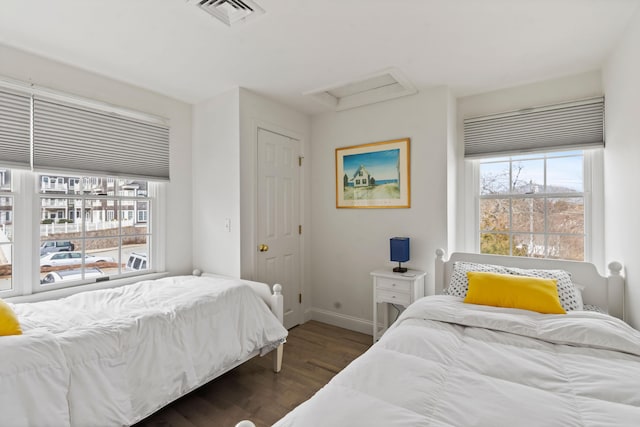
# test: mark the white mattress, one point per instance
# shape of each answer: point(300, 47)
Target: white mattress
point(445, 363)
point(112, 357)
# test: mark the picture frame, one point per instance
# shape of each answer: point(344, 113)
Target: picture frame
point(374, 175)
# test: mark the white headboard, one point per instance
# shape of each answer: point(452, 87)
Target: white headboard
point(606, 292)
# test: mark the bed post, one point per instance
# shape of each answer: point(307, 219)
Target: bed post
point(615, 290)
point(439, 276)
point(277, 307)
point(277, 302)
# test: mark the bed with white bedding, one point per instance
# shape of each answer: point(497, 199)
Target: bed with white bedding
point(114, 356)
point(449, 363)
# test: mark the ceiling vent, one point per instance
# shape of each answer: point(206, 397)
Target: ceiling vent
point(377, 87)
point(230, 11)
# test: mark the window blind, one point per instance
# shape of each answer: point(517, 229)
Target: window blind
point(570, 125)
point(15, 129)
point(72, 138)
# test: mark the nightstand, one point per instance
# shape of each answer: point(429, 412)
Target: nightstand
point(394, 288)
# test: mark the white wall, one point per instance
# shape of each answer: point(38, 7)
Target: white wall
point(568, 88)
point(454, 165)
point(622, 153)
point(346, 244)
point(224, 168)
point(22, 66)
point(216, 184)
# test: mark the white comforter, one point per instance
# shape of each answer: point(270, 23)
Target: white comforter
point(112, 357)
point(445, 363)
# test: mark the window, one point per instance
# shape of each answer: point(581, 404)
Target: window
point(6, 230)
point(84, 216)
point(538, 189)
point(98, 242)
point(533, 205)
point(5, 179)
point(142, 216)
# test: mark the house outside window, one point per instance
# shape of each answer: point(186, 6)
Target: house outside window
point(533, 205)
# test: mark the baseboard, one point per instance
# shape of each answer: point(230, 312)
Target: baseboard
point(308, 315)
point(341, 320)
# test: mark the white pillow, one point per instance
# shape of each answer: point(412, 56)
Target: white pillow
point(587, 307)
point(597, 309)
point(460, 284)
point(579, 289)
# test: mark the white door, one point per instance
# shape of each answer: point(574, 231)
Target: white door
point(279, 219)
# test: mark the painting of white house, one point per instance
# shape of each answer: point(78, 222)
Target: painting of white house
point(373, 175)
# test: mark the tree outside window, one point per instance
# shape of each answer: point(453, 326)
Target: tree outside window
point(533, 206)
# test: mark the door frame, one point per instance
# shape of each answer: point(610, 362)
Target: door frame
point(251, 242)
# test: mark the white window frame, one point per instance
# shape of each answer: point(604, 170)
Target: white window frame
point(10, 194)
point(26, 244)
point(593, 201)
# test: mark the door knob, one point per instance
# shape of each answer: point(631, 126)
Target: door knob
point(263, 248)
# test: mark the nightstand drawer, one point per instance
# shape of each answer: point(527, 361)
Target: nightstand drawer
point(393, 284)
point(384, 295)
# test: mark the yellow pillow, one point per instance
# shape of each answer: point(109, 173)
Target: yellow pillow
point(510, 291)
point(9, 324)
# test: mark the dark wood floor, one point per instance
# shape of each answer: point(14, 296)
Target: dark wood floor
point(313, 354)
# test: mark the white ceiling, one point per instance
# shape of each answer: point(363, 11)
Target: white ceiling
point(172, 47)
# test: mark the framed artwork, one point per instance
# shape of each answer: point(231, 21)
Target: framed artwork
point(373, 175)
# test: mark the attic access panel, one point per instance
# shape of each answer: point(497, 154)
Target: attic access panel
point(378, 87)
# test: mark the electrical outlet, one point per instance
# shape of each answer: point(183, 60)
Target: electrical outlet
point(227, 224)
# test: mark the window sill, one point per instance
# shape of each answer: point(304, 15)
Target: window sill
point(65, 292)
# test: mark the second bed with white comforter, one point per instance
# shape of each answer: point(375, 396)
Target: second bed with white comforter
point(112, 357)
point(446, 363)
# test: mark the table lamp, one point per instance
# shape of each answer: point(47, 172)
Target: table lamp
point(400, 252)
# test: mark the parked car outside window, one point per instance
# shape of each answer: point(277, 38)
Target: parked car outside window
point(56, 246)
point(71, 258)
point(137, 261)
point(70, 275)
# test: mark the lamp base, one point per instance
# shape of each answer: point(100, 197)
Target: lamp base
point(399, 269)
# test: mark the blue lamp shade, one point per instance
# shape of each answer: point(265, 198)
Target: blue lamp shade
point(400, 252)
